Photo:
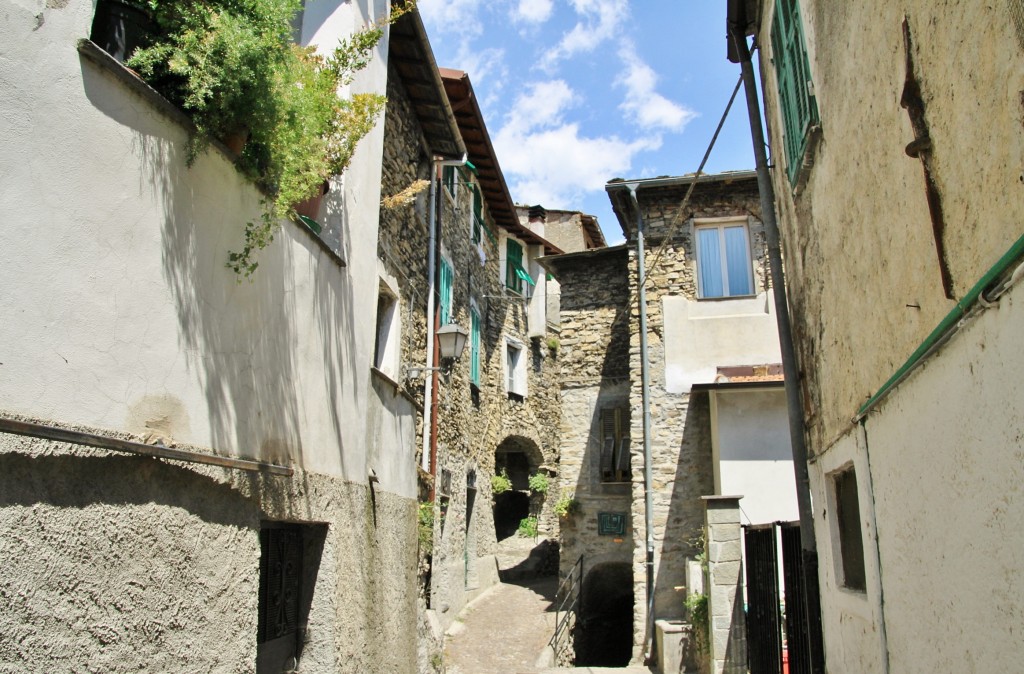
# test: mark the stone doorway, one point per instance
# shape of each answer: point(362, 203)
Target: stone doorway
point(518, 457)
point(604, 631)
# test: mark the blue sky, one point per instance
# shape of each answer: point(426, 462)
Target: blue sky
point(576, 92)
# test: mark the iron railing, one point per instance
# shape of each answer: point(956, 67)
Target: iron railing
point(568, 602)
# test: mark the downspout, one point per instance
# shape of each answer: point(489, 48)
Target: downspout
point(645, 389)
point(791, 374)
point(427, 458)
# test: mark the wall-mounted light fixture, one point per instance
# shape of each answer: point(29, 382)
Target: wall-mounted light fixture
point(451, 339)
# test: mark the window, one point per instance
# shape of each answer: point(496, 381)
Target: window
point(724, 266)
point(515, 370)
point(477, 217)
point(447, 275)
point(515, 274)
point(474, 345)
point(289, 558)
point(615, 444)
point(793, 72)
point(386, 348)
point(851, 544)
point(449, 176)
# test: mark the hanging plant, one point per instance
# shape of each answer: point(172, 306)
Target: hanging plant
point(231, 66)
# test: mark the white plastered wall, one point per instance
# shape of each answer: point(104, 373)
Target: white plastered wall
point(753, 454)
point(701, 335)
point(120, 312)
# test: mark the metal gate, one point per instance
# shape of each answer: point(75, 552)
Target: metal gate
point(765, 636)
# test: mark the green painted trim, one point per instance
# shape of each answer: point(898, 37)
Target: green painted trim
point(948, 324)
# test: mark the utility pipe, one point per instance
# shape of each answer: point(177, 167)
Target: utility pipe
point(645, 394)
point(429, 417)
point(791, 374)
point(35, 430)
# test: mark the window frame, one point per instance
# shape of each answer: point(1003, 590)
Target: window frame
point(848, 530)
point(613, 456)
point(515, 372)
point(445, 290)
point(450, 181)
point(388, 330)
point(475, 327)
point(796, 101)
point(721, 224)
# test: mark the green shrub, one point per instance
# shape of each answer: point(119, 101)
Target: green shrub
point(425, 527)
point(231, 66)
point(501, 483)
point(528, 527)
point(567, 505)
point(697, 608)
point(539, 483)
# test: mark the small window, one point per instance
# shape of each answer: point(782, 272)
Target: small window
point(515, 273)
point(446, 279)
point(449, 176)
point(474, 345)
point(724, 266)
point(515, 370)
point(477, 216)
point(851, 543)
point(793, 72)
point(386, 348)
point(614, 455)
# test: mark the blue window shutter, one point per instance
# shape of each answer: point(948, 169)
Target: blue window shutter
point(737, 261)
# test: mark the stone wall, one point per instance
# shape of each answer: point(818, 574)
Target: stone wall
point(681, 466)
point(472, 421)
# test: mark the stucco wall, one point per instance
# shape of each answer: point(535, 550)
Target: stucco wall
point(119, 563)
point(753, 453)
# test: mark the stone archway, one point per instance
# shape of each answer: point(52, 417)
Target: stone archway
point(519, 457)
point(604, 631)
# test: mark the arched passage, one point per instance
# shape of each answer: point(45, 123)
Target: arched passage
point(604, 631)
point(518, 457)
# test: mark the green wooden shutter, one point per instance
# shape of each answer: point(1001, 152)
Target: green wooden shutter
point(445, 291)
point(793, 71)
point(478, 217)
point(448, 178)
point(513, 263)
point(474, 346)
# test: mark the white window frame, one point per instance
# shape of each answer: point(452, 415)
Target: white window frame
point(388, 329)
point(515, 375)
point(721, 224)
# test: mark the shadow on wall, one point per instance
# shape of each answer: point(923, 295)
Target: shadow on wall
point(694, 478)
point(242, 341)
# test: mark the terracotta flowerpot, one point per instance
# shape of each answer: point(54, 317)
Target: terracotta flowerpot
point(236, 141)
point(311, 207)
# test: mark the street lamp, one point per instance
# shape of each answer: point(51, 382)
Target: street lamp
point(451, 339)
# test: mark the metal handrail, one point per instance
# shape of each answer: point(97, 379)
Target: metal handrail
point(568, 601)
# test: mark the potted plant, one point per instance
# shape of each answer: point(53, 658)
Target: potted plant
point(119, 27)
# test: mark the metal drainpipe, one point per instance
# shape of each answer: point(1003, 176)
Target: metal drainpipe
point(645, 388)
point(429, 415)
point(808, 541)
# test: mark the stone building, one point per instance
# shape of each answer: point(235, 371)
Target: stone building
point(196, 474)
point(495, 411)
point(710, 319)
point(895, 134)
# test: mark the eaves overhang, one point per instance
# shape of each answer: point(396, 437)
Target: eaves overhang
point(622, 204)
point(481, 154)
point(410, 53)
point(552, 263)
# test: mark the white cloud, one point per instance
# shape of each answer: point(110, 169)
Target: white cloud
point(643, 105)
point(452, 17)
point(547, 160)
point(533, 11)
point(598, 20)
